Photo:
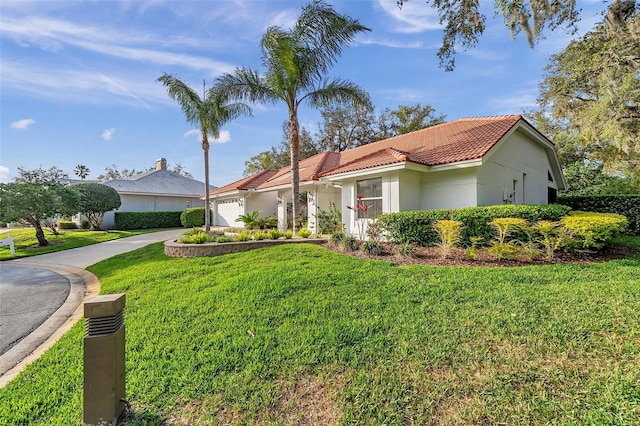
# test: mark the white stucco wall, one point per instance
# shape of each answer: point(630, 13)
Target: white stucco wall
point(146, 203)
point(516, 172)
point(264, 202)
point(410, 197)
point(448, 189)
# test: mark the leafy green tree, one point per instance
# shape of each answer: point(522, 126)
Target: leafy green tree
point(406, 119)
point(40, 175)
point(345, 127)
point(36, 202)
point(95, 200)
point(81, 171)
point(590, 94)
point(464, 23)
point(590, 179)
point(296, 62)
point(209, 112)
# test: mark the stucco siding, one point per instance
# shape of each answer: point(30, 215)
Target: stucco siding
point(409, 191)
point(146, 203)
point(449, 189)
point(516, 172)
point(266, 203)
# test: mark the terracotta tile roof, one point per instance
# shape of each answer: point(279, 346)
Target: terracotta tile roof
point(460, 140)
point(453, 142)
point(249, 182)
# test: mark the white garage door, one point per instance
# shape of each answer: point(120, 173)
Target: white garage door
point(227, 213)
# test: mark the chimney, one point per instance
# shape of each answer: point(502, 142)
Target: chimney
point(161, 164)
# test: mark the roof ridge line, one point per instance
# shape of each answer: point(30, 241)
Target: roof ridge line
point(358, 159)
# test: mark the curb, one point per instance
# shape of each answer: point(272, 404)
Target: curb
point(84, 285)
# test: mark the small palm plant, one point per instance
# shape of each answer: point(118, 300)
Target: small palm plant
point(250, 220)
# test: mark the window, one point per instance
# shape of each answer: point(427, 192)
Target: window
point(369, 198)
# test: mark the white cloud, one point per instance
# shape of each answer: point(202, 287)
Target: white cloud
point(413, 17)
point(225, 137)
point(519, 101)
point(386, 42)
point(192, 132)
point(22, 124)
point(108, 134)
point(4, 174)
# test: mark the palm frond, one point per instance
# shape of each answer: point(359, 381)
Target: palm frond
point(190, 102)
point(246, 84)
point(336, 91)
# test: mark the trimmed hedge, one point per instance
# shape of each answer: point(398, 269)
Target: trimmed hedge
point(627, 205)
point(146, 220)
point(192, 217)
point(416, 227)
point(67, 224)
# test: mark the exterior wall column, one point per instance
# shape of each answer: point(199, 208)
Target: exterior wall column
point(312, 210)
point(282, 209)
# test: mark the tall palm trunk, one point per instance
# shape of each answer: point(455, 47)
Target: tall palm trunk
point(294, 142)
point(205, 149)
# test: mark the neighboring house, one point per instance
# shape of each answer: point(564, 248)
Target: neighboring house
point(159, 190)
point(467, 162)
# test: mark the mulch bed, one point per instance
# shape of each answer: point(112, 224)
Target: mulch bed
point(433, 256)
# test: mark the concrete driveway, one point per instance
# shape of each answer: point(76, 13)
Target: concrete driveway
point(41, 297)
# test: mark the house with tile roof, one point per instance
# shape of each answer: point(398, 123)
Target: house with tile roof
point(158, 190)
point(463, 163)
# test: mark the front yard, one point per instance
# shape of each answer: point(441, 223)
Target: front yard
point(299, 334)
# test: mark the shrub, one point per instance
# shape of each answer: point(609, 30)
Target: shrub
point(250, 220)
point(192, 231)
point(374, 231)
point(505, 226)
point(406, 250)
point(192, 217)
point(273, 234)
point(590, 230)
point(417, 226)
point(372, 247)
point(258, 236)
point(552, 236)
point(64, 224)
point(195, 238)
point(288, 234)
point(223, 240)
point(3, 224)
point(349, 243)
point(85, 224)
point(267, 222)
point(243, 236)
point(450, 233)
point(627, 205)
point(329, 222)
point(472, 251)
point(146, 220)
point(336, 238)
point(508, 250)
point(304, 233)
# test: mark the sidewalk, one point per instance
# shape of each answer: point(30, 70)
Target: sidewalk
point(82, 284)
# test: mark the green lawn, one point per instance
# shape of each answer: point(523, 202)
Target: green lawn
point(300, 333)
point(26, 244)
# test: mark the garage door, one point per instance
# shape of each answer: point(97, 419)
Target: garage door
point(227, 212)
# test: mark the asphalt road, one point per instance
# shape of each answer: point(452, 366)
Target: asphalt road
point(28, 296)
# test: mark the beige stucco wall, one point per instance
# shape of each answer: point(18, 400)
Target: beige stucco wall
point(448, 189)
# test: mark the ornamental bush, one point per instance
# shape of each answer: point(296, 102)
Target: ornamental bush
point(64, 224)
point(627, 205)
point(95, 200)
point(192, 217)
point(589, 230)
point(417, 226)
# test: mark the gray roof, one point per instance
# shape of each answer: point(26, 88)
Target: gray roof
point(159, 182)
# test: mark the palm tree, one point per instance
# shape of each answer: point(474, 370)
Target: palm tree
point(210, 112)
point(296, 62)
point(82, 171)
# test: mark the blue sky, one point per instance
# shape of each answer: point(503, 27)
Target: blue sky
point(77, 79)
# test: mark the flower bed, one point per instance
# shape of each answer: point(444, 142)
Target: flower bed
point(174, 249)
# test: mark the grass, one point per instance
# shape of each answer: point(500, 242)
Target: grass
point(26, 244)
point(298, 333)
